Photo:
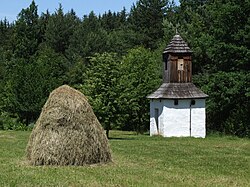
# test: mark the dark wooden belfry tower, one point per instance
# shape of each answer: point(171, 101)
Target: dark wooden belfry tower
point(177, 61)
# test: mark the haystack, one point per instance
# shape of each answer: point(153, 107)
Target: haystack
point(67, 132)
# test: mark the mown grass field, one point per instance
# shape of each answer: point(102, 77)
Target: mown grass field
point(139, 160)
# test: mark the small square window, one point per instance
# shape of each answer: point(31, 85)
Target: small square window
point(176, 102)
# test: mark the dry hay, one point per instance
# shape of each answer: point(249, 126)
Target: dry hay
point(67, 132)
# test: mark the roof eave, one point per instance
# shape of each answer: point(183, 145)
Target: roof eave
point(181, 98)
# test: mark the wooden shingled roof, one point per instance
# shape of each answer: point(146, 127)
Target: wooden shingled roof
point(177, 45)
point(177, 91)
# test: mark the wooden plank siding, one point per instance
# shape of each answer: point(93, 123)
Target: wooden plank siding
point(180, 76)
point(188, 68)
point(173, 70)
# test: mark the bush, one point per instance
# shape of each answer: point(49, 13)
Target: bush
point(11, 122)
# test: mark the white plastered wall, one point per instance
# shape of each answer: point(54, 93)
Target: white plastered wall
point(198, 122)
point(175, 120)
point(156, 104)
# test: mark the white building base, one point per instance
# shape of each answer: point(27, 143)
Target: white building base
point(182, 120)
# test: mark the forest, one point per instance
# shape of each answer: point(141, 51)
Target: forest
point(115, 59)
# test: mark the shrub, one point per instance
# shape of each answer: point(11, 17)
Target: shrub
point(11, 122)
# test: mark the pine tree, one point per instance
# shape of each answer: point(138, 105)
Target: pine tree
point(26, 36)
point(60, 29)
point(146, 18)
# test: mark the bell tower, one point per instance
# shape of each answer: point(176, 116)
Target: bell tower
point(177, 107)
point(177, 62)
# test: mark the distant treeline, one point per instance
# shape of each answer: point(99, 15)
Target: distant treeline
point(115, 60)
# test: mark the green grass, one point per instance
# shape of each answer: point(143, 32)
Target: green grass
point(138, 161)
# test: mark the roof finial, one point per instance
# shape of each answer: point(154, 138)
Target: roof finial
point(176, 31)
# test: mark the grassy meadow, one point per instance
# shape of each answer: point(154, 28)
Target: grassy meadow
point(139, 160)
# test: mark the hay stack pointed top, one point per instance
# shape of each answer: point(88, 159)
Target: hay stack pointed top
point(67, 132)
point(178, 45)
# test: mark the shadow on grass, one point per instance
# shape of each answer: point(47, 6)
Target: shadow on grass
point(117, 138)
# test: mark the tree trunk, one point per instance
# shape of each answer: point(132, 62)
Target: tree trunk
point(108, 127)
point(107, 133)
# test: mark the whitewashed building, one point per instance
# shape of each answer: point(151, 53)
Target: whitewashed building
point(177, 108)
